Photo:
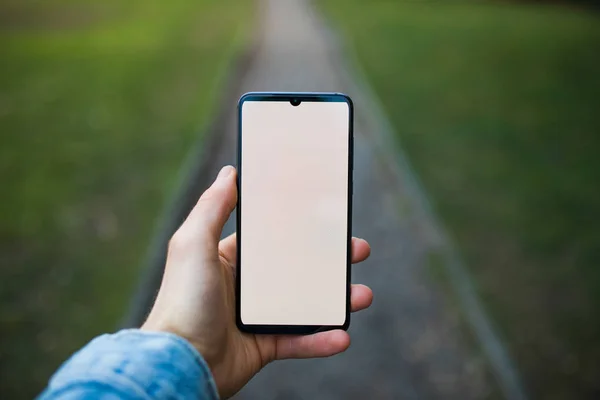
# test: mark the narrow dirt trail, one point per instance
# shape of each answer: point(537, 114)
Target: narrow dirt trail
point(409, 344)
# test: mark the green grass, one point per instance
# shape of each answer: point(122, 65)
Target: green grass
point(99, 105)
point(498, 108)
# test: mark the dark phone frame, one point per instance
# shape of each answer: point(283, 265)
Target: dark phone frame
point(289, 97)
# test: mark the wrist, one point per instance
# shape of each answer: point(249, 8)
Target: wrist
point(213, 359)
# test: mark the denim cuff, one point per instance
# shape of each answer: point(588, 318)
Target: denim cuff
point(135, 364)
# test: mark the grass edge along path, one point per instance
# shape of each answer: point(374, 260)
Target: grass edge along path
point(460, 289)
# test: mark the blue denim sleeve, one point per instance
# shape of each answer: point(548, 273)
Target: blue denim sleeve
point(134, 364)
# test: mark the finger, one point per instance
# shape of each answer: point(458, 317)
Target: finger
point(322, 344)
point(361, 297)
point(360, 249)
point(205, 223)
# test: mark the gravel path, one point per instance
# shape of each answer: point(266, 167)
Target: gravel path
point(409, 344)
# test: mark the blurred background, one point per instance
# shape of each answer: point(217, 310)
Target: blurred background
point(496, 103)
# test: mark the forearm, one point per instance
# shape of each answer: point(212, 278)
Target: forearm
point(133, 364)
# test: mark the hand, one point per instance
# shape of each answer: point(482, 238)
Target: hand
point(197, 297)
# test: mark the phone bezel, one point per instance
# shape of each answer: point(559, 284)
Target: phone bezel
point(283, 97)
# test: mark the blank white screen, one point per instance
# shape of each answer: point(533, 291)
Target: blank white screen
point(294, 209)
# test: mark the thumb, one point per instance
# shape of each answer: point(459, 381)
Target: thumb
point(205, 222)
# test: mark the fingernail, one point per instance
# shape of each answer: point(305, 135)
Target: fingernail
point(225, 172)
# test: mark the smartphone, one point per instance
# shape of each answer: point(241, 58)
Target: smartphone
point(294, 212)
